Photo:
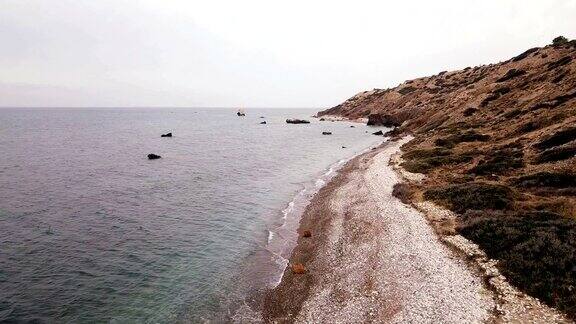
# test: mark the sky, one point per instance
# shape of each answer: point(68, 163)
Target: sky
point(252, 53)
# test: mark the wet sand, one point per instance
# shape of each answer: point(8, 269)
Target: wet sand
point(372, 258)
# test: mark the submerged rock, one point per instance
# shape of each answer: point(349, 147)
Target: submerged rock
point(166, 135)
point(153, 156)
point(297, 121)
point(326, 133)
point(378, 133)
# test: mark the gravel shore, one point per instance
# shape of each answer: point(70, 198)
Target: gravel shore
point(371, 258)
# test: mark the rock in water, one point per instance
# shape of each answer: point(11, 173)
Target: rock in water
point(166, 135)
point(152, 156)
point(378, 133)
point(263, 123)
point(297, 121)
point(326, 133)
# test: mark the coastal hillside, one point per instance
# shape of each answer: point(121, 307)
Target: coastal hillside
point(497, 144)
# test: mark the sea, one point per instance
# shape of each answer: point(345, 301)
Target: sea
point(92, 231)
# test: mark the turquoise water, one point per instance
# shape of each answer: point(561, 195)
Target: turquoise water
point(93, 231)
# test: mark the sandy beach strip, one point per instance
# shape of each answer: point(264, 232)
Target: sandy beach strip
point(371, 258)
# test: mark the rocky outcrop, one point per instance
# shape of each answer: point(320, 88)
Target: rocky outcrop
point(297, 121)
point(385, 120)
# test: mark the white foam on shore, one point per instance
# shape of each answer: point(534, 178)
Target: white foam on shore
point(283, 238)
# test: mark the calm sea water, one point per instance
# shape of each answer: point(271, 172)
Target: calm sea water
point(93, 231)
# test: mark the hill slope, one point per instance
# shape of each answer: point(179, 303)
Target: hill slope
point(498, 144)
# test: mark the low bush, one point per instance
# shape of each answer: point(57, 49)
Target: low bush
point(424, 161)
point(561, 137)
point(560, 40)
point(407, 90)
point(426, 153)
point(513, 113)
point(469, 136)
point(403, 192)
point(525, 54)
point(471, 196)
point(536, 252)
point(469, 111)
point(560, 62)
point(511, 74)
point(545, 179)
point(556, 154)
point(499, 161)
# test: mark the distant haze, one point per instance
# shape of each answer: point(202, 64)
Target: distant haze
point(252, 53)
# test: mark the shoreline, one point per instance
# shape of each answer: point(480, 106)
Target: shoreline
point(353, 257)
point(360, 266)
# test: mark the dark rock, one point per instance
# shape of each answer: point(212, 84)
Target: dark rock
point(382, 120)
point(263, 123)
point(166, 135)
point(326, 133)
point(378, 133)
point(152, 156)
point(297, 121)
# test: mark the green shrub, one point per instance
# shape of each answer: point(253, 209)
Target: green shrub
point(557, 154)
point(403, 192)
point(424, 160)
point(561, 137)
point(536, 252)
point(471, 196)
point(560, 40)
point(546, 179)
point(469, 136)
point(499, 161)
point(426, 153)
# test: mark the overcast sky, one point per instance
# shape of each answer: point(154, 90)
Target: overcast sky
point(251, 53)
